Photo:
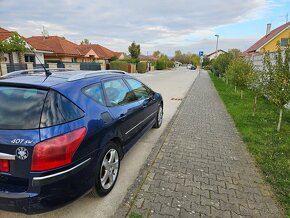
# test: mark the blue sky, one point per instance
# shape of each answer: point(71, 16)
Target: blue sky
point(165, 25)
point(275, 15)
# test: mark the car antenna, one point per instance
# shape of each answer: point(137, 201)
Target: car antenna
point(47, 72)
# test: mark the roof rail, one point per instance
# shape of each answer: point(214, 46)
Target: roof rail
point(19, 72)
point(87, 74)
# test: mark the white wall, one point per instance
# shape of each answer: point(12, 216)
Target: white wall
point(39, 58)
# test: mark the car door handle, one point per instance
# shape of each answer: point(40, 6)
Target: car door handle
point(122, 117)
point(146, 102)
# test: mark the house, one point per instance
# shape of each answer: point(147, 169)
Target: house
point(69, 52)
point(34, 57)
point(102, 54)
point(215, 54)
point(62, 49)
point(268, 43)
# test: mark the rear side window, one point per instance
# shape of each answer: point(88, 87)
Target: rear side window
point(20, 108)
point(95, 92)
point(58, 110)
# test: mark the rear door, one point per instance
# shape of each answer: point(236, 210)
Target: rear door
point(124, 106)
point(20, 113)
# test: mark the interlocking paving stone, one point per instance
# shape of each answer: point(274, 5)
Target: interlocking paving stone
point(203, 168)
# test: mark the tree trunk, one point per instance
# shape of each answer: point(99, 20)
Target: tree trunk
point(11, 61)
point(280, 120)
point(242, 94)
point(2, 57)
point(20, 57)
point(255, 106)
point(235, 89)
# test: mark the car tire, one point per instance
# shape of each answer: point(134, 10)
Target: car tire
point(159, 117)
point(108, 167)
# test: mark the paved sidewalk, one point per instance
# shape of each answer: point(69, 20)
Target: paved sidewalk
point(202, 169)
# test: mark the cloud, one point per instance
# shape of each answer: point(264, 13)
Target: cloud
point(154, 24)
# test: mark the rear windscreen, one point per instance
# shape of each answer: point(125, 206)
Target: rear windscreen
point(20, 108)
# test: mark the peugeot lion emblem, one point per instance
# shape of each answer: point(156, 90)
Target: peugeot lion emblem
point(22, 153)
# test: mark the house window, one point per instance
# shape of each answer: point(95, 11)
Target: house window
point(74, 60)
point(284, 42)
point(29, 58)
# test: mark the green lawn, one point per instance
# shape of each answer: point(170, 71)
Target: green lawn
point(270, 148)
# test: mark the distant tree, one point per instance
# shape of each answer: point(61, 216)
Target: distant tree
point(277, 80)
point(206, 61)
point(235, 52)
point(114, 58)
point(16, 44)
point(134, 50)
point(178, 53)
point(156, 54)
point(85, 42)
point(195, 60)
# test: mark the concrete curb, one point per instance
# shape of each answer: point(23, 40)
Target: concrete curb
point(132, 192)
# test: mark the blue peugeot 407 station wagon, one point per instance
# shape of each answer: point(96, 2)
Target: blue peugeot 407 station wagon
point(64, 133)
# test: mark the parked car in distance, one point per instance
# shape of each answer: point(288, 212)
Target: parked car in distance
point(193, 67)
point(63, 134)
point(189, 66)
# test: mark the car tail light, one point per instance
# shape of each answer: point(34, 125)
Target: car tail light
point(4, 166)
point(57, 151)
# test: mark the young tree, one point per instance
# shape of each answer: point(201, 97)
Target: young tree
point(134, 50)
point(277, 80)
point(16, 44)
point(3, 49)
point(256, 85)
point(85, 42)
point(240, 72)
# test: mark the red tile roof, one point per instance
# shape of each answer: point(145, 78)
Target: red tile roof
point(147, 58)
point(267, 38)
point(4, 34)
point(37, 45)
point(101, 51)
point(56, 44)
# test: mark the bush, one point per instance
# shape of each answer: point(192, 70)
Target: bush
point(221, 63)
point(170, 64)
point(119, 65)
point(142, 67)
point(160, 65)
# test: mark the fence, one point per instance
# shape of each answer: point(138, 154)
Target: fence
point(90, 66)
point(257, 60)
point(15, 67)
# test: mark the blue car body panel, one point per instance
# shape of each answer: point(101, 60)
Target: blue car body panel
point(26, 191)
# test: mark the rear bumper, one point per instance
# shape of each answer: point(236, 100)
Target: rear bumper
point(51, 191)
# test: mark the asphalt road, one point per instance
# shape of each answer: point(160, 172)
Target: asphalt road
point(173, 85)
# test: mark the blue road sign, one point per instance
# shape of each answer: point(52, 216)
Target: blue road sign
point(200, 53)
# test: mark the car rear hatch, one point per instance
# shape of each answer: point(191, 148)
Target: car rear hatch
point(20, 114)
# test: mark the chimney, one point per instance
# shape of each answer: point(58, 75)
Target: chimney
point(268, 29)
